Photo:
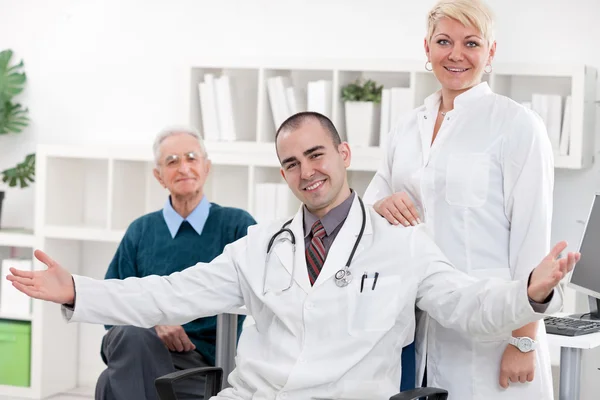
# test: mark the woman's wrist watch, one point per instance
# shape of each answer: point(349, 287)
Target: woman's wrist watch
point(524, 344)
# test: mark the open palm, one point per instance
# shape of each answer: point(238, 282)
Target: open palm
point(54, 284)
point(550, 272)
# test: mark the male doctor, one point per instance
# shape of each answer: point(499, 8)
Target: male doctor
point(318, 334)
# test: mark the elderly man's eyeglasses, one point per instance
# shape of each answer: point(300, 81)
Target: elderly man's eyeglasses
point(174, 160)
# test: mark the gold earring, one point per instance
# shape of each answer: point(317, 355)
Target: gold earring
point(486, 70)
point(430, 66)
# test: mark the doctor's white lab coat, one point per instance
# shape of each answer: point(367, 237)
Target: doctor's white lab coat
point(484, 189)
point(320, 342)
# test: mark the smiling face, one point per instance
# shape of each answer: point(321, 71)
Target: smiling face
point(458, 55)
point(314, 167)
point(182, 166)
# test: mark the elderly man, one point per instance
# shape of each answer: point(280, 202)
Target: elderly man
point(189, 229)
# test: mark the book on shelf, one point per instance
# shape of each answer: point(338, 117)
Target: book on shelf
point(395, 102)
point(320, 97)
point(565, 134)
point(277, 87)
point(217, 108)
point(385, 124)
point(296, 99)
point(549, 108)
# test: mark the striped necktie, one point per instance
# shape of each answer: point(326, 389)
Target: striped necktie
point(315, 252)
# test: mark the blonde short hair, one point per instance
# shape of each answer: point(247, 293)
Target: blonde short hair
point(471, 13)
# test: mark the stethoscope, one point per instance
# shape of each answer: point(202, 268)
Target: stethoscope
point(342, 278)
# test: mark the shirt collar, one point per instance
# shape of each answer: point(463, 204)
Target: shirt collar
point(332, 219)
point(432, 102)
point(196, 219)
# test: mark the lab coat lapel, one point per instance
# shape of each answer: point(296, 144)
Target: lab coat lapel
point(344, 242)
point(286, 256)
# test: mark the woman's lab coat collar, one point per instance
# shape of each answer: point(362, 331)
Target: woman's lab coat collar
point(432, 102)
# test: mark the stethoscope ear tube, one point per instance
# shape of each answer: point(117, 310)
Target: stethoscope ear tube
point(279, 232)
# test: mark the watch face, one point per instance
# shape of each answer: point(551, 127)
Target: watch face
point(525, 344)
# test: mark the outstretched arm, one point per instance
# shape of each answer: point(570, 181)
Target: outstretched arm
point(198, 291)
point(485, 308)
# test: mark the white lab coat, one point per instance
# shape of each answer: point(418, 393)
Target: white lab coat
point(484, 189)
point(320, 342)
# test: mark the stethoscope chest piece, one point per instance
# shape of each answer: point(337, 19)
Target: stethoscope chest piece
point(343, 277)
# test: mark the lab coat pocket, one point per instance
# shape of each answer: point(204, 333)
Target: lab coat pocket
point(373, 310)
point(467, 179)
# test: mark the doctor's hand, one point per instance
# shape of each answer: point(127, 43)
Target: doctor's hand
point(516, 366)
point(398, 208)
point(549, 272)
point(175, 338)
point(54, 284)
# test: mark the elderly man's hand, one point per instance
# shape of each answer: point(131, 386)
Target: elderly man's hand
point(175, 338)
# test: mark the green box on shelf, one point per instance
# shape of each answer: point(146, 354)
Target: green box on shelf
point(15, 351)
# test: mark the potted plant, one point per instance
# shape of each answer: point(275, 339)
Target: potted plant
point(361, 101)
point(13, 119)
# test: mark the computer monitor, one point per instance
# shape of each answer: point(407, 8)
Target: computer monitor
point(585, 278)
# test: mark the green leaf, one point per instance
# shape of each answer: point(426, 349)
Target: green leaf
point(362, 91)
point(13, 118)
point(12, 81)
point(23, 174)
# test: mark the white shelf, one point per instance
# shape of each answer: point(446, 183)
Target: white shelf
point(82, 233)
point(14, 238)
point(517, 81)
point(14, 317)
point(16, 392)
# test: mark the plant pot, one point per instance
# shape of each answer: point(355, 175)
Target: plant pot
point(362, 123)
point(1, 199)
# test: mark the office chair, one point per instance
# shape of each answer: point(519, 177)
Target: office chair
point(214, 378)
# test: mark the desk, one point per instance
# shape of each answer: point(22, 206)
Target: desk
point(226, 341)
point(570, 361)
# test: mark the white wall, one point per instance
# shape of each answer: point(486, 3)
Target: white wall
point(115, 70)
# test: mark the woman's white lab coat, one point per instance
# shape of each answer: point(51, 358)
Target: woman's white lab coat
point(484, 188)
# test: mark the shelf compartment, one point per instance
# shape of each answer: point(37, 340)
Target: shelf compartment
point(298, 79)
point(17, 238)
point(359, 181)
point(387, 79)
point(270, 195)
point(244, 93)
point(76, 192)
point(227, 186)
point(135, 192)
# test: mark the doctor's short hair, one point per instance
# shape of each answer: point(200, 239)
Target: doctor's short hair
point(471, 13)
point(298, 119)
point(172, 131)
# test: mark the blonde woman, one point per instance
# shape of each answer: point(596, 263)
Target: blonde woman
point(477, 168)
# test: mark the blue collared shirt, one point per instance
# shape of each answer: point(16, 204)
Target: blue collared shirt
point(196, 219)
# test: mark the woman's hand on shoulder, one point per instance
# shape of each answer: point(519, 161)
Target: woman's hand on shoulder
point(398, 209)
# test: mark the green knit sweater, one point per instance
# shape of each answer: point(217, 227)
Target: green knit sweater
point(148, 249)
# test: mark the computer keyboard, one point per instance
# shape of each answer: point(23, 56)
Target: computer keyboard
point(570, 326)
